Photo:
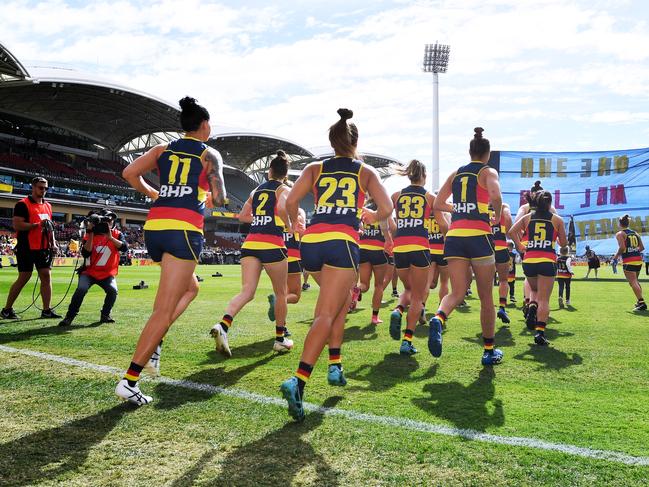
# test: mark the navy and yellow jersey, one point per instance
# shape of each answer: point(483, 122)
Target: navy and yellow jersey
point(266, 228)
point(499, 232)
point(183, 187)
point(412, 210)
point(470, 215)
point(339, 198)
point(372, 237)
point(562, 267)
point(511, 274)
point(435, 236)
point(292, 243)
point(631, 254)
point(541, 236)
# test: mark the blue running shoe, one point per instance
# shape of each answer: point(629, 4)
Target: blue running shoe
point(335, 376)
point(395, 325)
point(435, 336)
point(271, 307)
point(502, 314)
point(291, 393)
point(492, 358)
point(407, 348)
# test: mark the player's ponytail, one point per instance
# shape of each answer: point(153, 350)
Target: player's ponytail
point(343, 136)
point(415, 170)
point(192, 114)
point(542, 200)
point(279, 166)
point(624, 221)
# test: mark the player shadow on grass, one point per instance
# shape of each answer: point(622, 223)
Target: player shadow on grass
point(170, 396)
point(503, 337)
point(251, 350)
point(392, 370)
point(467, 407)
point(275, 459)
point(47, 454)
point(550, 333)
point(38, 332)
point(549, 358)
point(367, 332)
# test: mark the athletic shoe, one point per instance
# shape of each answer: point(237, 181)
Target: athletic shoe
point(49, 314)
point(422, 317)
point(356, 292)
point(492, 358)
point(287, 333)
point(539, 338)
point(512, 299)
point(435, 337)
point(395, 293)
point(131, 394)
point(291, 393)
point(271, 307)
point(395, 324)
point(502, 314)
point(568, 302)
point(221, 340)
point(640, 307)
point(152, 367)
point(283, 346)
point(9, 314)
point(407, 348)
point(106, 319)
point(530, 321)
point(469, 292)
point(560, 302)
point(306, 286)
point(462, 304)
point(525, 309)
point(65, 321)
point(376, 320)
point(335, 376)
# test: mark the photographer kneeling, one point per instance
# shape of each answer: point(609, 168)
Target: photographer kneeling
point(101, 247)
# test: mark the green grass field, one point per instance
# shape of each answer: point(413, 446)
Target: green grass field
point(61, 423)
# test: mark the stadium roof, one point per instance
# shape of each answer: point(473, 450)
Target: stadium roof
point(104, 111)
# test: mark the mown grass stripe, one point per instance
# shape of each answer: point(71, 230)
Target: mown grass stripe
point(397, 422)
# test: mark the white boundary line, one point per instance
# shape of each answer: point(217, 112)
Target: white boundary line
point(413, 425)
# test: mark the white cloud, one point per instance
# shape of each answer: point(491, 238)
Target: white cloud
point(533, 73)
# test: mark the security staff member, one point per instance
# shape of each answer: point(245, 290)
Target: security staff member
point(101, 248)
point(36, 246)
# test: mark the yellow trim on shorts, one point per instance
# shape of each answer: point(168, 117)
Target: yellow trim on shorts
point(190, 246)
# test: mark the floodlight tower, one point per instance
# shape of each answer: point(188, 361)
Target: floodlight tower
point(436, 61)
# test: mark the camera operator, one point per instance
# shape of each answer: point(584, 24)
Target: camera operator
point(36, 246)
point(101, 248)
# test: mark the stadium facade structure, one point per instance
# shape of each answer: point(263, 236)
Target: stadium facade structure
point(80, 131)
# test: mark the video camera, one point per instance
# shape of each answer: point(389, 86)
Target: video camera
point(99, 220)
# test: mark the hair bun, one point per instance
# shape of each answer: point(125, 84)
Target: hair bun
point(281, 153)
point(478, 132)
point(187, 102)
point(537, 184)
point(345, 113)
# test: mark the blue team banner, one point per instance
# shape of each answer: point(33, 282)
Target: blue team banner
point(595, 188)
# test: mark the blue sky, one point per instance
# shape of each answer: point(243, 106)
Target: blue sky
point(537, 75)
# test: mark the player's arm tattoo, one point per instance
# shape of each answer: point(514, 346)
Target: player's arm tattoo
point(214, 170)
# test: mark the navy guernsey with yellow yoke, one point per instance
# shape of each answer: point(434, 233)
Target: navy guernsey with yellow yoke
point(540, 255)
point(372, 244)
point(265, 240)
point(469, 235)
point(332, 235)
point(499, 238)
point(411, 246)
point(631, 256)
point(175, 221)
point(435, 241)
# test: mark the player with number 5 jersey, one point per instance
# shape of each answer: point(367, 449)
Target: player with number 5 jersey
point(543, 228)
point(190, 172)
point(469, 242)
point(330, 249)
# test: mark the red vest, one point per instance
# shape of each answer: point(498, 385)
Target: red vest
point(37, 213)
point(104, 259)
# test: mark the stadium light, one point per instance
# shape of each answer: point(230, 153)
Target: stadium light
point(436, 61)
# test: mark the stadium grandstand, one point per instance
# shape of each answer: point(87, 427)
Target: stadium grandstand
point(80, 131)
